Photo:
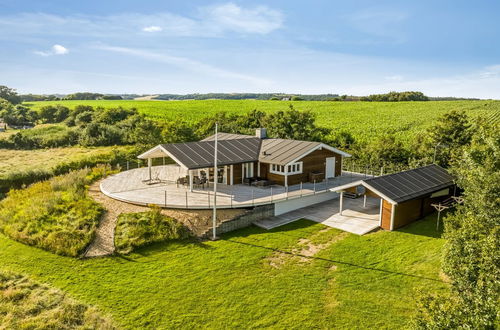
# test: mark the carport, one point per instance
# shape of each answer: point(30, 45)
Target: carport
point(404, 196)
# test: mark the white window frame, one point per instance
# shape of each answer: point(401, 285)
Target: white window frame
point(293, 168)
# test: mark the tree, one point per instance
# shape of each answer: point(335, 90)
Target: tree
point(472, 250)
point(53, 114)
point(294, 124)
point(10, 95)
point(451, 132)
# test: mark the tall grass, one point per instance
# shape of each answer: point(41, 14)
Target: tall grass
point(25, 304)
point(139, 229)
point(52, 162)
point(55, 215)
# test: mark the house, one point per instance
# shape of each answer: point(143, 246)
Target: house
point(253, 159)
point(404, 196)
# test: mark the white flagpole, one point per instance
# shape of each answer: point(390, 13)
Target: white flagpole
point(216, 178)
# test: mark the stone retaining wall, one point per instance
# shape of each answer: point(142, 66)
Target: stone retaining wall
point(244, 220)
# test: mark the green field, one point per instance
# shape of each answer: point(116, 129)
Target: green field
point(365, 120)
point(252, 278)
point(45, 159)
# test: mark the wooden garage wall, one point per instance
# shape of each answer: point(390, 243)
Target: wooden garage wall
point(407, 212)
point(386, 215)
point(314, 162)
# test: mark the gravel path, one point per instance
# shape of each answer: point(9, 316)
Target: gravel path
point(198, 221)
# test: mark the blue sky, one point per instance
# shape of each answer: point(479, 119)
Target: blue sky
point(443, 48)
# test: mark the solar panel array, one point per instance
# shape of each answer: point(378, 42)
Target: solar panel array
point(411, 184)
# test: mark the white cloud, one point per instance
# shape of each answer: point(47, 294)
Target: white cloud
point(152, 28)
point(55, 50)
point(260, 19)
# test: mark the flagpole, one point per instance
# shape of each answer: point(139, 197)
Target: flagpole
point(216, 178)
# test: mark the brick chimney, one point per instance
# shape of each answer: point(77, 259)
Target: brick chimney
point(261, 133)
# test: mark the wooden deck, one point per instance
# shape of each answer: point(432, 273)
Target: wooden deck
point(128, 186)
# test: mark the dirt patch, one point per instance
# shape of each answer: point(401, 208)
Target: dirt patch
point(304, 252)
point(308, 249)
point(198, 221)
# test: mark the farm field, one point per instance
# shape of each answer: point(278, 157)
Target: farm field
point(44, 159)
point(300, 275)
point(364, 120)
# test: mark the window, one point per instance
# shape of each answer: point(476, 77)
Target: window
point(295, 168)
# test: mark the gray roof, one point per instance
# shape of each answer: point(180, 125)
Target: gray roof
point(415, 183)
point(282, 152)
point(235, 149)
point(200, 154)
point(228, 136)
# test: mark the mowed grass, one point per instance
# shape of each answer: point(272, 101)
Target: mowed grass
point(25, 160)
point(365, 120)
point(252, 278)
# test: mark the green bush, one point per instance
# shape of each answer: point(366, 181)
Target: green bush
point(55, 215)
point(138, 229)
point(25, 304)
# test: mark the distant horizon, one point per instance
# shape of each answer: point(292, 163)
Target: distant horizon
point(236, 93)
point(443, 49)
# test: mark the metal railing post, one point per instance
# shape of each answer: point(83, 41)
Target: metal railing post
point(300, 188)
point(165, 198)
point(286, 193)
point(271, 194)
point(186, 199)
point(253, 198)
point(208, 195)
point(314, 187)
point(128, 166)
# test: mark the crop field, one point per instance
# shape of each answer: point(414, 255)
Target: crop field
point(364, 120)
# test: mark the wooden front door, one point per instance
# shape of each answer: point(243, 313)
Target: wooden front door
point(263, 170)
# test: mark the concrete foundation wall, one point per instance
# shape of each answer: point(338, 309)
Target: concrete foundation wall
point(298, 203)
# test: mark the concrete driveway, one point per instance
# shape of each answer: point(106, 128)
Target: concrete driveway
point(355, 218)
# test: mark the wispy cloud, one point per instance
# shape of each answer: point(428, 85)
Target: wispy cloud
point(184, 63)
point(152, 28)
point(211, 21)
point(55, 50)
point(229, 16)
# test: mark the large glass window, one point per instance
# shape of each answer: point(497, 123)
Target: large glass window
point(291, 169)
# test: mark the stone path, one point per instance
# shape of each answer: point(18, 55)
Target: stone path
point(198, 221)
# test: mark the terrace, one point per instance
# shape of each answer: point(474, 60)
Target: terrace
point(133, 186)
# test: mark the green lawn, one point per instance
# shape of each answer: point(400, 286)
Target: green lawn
point(243, 281)
point(365, 120)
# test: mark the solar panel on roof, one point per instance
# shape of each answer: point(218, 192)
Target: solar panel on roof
point(411, 184)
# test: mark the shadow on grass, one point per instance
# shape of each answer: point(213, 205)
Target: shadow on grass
point(338, 262)
point(252, 230)
point(158, 247)
point(425, 227)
